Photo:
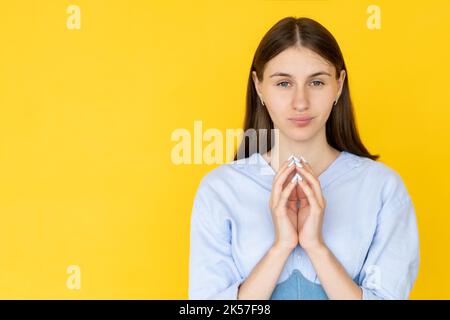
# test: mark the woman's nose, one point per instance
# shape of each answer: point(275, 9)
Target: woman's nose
point(300, 100)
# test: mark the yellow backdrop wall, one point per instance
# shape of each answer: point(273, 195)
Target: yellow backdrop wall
point(91, 203)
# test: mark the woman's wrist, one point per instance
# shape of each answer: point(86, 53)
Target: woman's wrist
point(281, 248)
point(318, 249)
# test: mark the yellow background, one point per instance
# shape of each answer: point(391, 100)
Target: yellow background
point(86, 119)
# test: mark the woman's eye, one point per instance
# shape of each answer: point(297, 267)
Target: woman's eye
point(281, 84)
point(317, 83)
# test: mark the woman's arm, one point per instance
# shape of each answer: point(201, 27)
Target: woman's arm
point(261, 282)
point(393, 256)
point(332, 275)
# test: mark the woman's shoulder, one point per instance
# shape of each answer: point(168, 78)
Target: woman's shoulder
point(376, 167)
point(382, 176)
point(233, 171)
point(222, 183)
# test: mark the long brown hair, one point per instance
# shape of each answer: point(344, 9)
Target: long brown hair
point(341, 130)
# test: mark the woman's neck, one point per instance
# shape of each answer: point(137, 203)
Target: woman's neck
point(320, 156)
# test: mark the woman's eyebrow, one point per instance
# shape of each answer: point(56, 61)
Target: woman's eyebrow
point(283, 74)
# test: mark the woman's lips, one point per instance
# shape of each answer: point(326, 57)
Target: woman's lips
point(301, 121)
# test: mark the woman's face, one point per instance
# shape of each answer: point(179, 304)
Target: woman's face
point(299, 83)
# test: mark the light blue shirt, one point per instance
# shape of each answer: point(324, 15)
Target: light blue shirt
point(369, 225)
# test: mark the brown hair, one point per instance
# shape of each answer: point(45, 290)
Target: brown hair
point(341, 130)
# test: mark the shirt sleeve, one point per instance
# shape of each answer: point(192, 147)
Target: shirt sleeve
point(213, 273)
point(391, 265)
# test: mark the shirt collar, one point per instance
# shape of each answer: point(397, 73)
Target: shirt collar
point(262, 171)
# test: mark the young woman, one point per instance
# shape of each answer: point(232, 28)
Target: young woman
point(270, 225)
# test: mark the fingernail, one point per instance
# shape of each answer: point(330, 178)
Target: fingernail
point(297, 178)
point(291, 163)
point(303, 159)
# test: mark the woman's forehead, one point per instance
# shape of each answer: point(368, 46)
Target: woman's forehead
point(299, 62)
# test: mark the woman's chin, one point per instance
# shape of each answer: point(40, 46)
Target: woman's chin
point(300, 135)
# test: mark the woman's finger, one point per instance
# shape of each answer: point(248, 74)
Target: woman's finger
point(279, 180)
point(312, 200)
point(313, 182)
point(293, 196)
point(286, 192)
point(300, 194)
point(281, 169)
point(307, 165)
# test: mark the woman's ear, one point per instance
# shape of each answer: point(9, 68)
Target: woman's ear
point(256, 82)
point(341, 83)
